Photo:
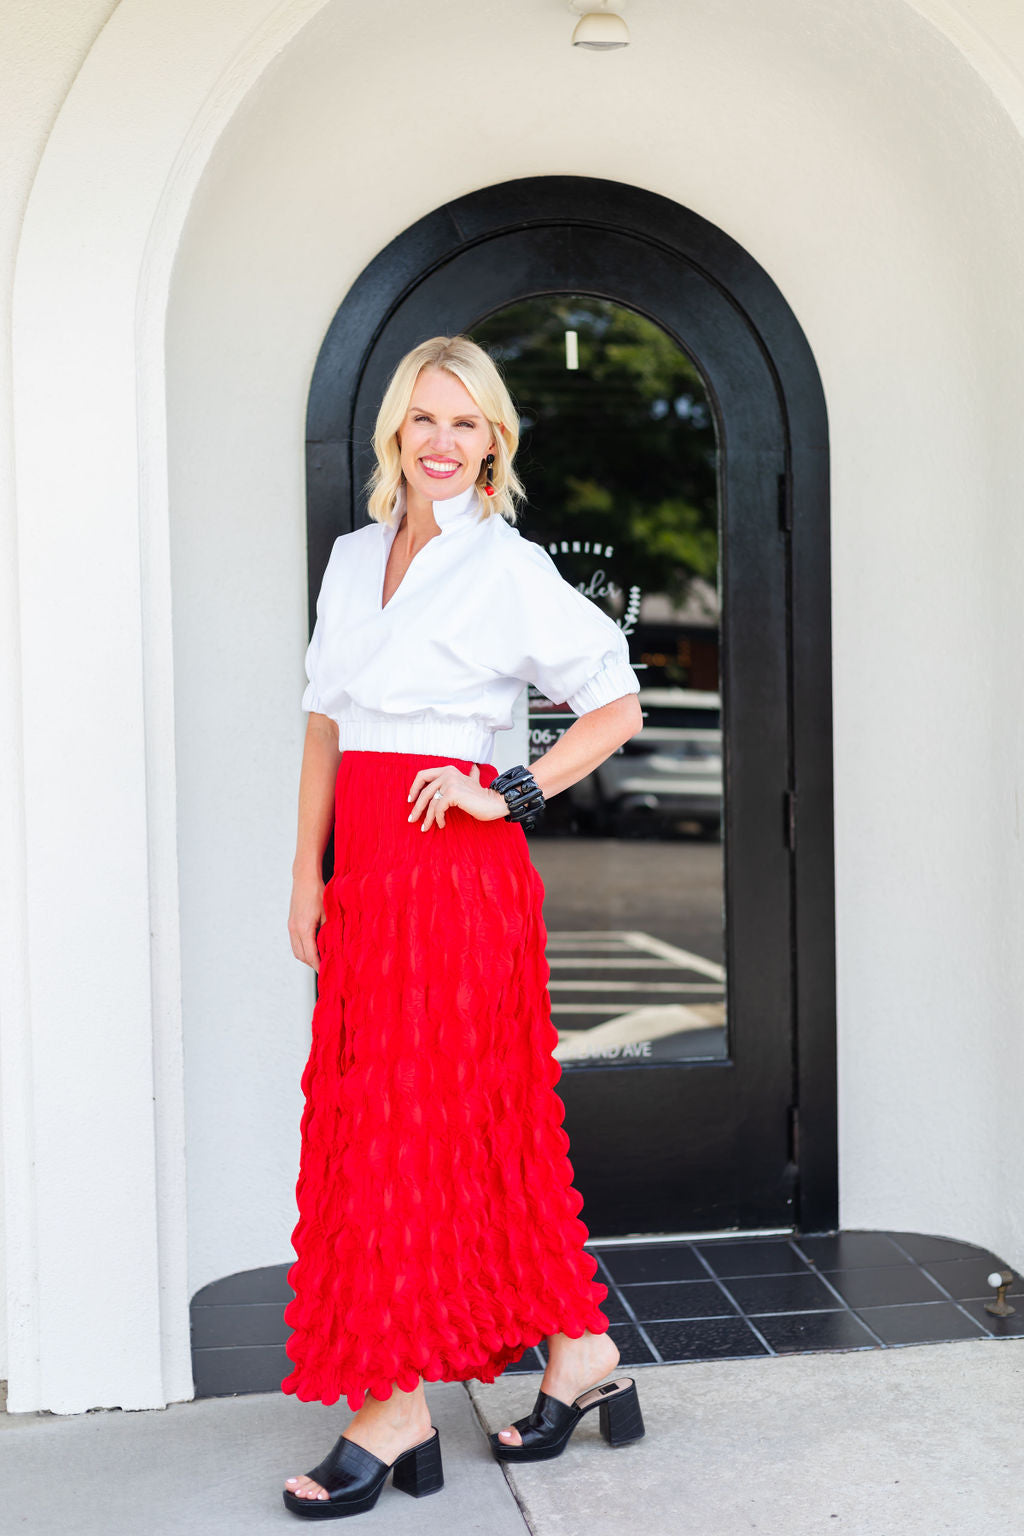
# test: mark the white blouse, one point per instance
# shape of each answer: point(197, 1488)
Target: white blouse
point(480, 613)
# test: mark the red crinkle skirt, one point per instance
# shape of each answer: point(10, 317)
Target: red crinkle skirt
point(439, 1232)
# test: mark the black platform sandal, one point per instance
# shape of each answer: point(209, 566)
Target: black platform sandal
point(545, 1433)
point(354, 1477)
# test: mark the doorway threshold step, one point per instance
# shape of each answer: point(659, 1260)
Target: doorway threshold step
point(694, 1296)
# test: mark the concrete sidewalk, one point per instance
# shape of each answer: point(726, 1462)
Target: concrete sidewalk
point(916, 1441)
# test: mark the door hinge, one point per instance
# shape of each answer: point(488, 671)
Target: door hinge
point(789, 818)
point(794, 1134)
point(785, 503)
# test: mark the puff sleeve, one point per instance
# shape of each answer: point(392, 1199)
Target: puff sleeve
point(543, 631)
point(311, 698)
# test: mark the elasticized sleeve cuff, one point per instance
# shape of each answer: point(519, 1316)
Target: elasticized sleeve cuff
point(615, 679)
point(311, 700)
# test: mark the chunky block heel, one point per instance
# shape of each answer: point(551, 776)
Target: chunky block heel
point(353, 1478)
point(545, 1433)
point(621, 1419)
point(419, 1471)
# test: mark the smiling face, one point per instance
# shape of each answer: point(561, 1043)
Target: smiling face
point(444, 438)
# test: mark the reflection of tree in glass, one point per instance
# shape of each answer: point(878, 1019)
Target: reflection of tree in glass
point(621, 450)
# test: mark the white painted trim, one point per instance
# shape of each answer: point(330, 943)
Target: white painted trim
point(237, 78)
point(990, 62)
point(107, 1323)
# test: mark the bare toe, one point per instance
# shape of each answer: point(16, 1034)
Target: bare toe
point(305, 1488)
point(510, 1436)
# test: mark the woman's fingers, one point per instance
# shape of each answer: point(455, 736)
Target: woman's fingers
point(433, 811)
point(420, 780)
point(304, 947)
point(305, 919)
point(300, 948)
point(424, 787)
point(457, 789)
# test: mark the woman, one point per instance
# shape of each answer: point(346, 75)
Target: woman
point(438, 1234)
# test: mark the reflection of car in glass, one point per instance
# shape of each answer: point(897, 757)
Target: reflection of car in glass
point(667, 776)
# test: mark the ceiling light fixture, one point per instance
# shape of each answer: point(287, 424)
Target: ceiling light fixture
point(599, 26)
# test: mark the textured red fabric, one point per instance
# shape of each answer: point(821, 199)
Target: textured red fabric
point(439, 1231)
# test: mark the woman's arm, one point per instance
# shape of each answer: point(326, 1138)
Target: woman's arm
point(320, 759)
point(590, 739)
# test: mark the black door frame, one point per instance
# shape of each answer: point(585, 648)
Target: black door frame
point(336, 459)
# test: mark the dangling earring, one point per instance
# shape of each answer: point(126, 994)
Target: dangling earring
point(489, 487)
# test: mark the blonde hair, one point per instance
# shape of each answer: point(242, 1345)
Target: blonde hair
point(477, 372)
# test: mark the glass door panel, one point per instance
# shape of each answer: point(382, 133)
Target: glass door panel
point(620, 462)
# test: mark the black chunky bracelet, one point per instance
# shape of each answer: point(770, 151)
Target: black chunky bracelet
point(523, 796)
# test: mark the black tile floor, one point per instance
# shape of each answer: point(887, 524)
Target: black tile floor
point(705, 1299)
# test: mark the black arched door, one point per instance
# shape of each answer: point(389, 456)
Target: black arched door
point(743, 1134)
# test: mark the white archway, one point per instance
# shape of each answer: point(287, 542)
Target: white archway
point(96, 1237)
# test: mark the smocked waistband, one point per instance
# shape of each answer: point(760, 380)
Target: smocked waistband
point(434, 738)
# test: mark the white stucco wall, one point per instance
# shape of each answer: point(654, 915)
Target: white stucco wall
point(42, 51)
point(870, 158)
point(93, 1099)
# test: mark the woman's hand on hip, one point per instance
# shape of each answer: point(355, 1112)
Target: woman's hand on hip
point(456, 788)
point(305, 918)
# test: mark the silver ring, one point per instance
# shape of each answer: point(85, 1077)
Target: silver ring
point(438, 793)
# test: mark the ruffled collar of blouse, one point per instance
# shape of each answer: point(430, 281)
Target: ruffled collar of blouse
point(446, 513)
